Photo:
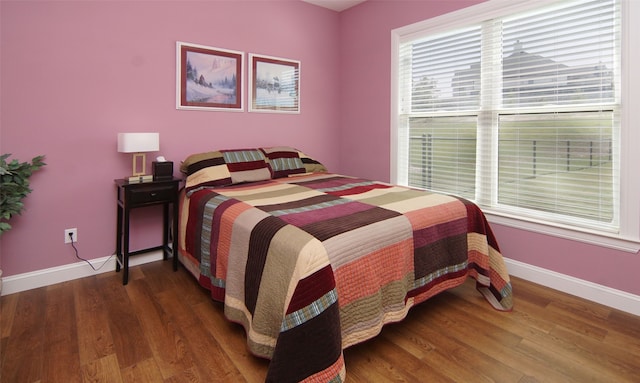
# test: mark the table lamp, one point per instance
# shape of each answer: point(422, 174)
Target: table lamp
point(139, 143)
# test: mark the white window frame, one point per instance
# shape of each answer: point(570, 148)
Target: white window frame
point(628, 236)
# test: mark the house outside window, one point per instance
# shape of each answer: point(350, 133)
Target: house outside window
point(519, 109)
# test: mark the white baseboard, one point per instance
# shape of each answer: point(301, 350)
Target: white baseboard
point(53, 275)
point(604, 295)
point(584, 289)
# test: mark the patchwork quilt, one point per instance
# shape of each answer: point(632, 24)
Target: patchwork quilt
point(311, 264)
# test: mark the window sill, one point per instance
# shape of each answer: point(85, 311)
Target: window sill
point(612, 241)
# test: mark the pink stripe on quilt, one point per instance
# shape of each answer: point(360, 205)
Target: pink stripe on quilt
point(434, 215)
point(317, 215)
point(367, 275)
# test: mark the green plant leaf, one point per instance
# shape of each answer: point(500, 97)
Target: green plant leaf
point(14, 186)
point(4, 226)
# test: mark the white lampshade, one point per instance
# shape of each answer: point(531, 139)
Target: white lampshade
point(138, 142)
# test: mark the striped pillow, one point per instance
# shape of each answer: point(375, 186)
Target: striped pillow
point(227, 167)
point(284, 161)
point(205, 169)
point(311, 165)
point(246, 165)
point(223, 168)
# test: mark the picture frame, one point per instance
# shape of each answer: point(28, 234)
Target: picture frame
point(209, 78)
point(274, 84)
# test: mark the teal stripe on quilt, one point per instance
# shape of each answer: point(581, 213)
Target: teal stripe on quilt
point(218, 282)
point(506, 291)
point(242, 156)
point(309, 312)
point(205, 235)
point(316, 206)
point(346, 186)
point(286, 164)
point(438, 273)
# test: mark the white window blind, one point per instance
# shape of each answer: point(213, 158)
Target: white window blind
point(519, 112)
point(563, 55)
point(442, 78)
point(445, 72)
point(557, 126)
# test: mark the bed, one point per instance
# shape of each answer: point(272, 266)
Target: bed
point(310, 262)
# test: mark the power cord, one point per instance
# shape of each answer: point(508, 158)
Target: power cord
point(73, 244)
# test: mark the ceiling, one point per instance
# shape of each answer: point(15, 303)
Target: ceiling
point(336, 5)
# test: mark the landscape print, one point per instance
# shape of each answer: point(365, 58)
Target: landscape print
point(275, 84)
point(209, 78)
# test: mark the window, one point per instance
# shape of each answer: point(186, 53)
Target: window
point(519, 109)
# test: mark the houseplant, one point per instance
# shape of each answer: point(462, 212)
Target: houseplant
point(14, 186)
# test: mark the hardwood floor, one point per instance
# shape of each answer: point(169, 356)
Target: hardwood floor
point(162, 327)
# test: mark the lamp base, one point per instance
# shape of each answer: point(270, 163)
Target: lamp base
point(140, 179)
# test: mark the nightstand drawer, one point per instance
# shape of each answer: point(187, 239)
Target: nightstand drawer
point(141, 195)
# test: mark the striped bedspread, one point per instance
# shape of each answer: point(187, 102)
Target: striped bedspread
point(313, 264)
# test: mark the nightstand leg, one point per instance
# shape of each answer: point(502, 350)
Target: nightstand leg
point(119, 239)
point(165, 231)
point(174, 247)
point(125, 253)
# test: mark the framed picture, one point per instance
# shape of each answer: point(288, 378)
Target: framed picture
point(209, 78)
point(274, 84)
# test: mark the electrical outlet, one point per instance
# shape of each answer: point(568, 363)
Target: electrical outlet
point(67, 238)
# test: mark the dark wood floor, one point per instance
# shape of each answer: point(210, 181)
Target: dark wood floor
point(162, 327)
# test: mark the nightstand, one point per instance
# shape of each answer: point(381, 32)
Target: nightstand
point(136, 195)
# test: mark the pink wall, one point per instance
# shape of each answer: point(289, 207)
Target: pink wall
point(365, 61)
point(74, 74)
